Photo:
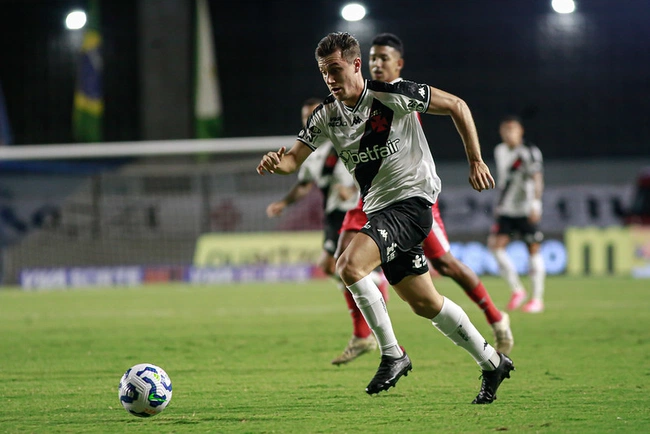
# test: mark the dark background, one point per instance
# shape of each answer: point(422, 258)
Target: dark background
point(581, 82)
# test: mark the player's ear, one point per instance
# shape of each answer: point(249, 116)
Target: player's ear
point(357, 64)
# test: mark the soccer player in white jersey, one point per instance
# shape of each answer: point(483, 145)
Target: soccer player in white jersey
point(327, 172)
point(386, 61)
point(518, 212)
point(384, 147)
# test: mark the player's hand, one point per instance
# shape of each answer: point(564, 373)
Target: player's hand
point(535, 212)
point(270, 161)
point(480, 177)
point(275, 209)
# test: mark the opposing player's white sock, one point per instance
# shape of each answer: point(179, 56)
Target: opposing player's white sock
point(453, 322)
point(508, 270)
point(537, 275)
point(370, 302)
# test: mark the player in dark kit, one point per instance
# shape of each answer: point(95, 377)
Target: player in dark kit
point(518, 212)
point(325, 170)
point(376, 132)
point(386, 62)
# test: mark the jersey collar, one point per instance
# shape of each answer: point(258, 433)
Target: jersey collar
point(360, 100)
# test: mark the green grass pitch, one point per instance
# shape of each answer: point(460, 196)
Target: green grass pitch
point(256, 359)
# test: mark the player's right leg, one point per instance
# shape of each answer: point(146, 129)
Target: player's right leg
point(354, 266)
point(362, 340)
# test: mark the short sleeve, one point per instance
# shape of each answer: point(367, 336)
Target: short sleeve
point(403, 96)
point(314, 133)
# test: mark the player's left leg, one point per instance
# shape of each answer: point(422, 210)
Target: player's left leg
point(537, 272)
point(436, 249)
point(452, 321)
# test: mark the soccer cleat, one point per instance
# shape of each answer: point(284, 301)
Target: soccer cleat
point(356, 347)
point(517, 299)
point(390, 370)
point(533, 306)
point(503, 334)
point(492, 380)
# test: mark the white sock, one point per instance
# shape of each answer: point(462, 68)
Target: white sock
point(537, 275)
point(453, 322)
point(508, 271)
point(371, 304)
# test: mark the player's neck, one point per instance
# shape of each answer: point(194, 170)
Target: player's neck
point(352, 101)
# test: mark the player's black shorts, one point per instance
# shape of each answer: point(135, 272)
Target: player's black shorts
point(333, 222)
point(518, 227)
point(398, 230)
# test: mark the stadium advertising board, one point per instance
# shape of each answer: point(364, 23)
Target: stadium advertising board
point(599, 251)
point(641, 244)
point(261, 248)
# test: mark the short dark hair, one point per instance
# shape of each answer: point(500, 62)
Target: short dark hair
point(311, 101)
point(389, 40)
point(343, 41)
point(511, 118)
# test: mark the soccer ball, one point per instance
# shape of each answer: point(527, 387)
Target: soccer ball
point(145, 390)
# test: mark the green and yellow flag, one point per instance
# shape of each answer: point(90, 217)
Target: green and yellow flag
point(88, 108)
point(207, 94)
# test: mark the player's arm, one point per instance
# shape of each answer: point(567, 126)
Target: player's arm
point(297, 192)
point(283, 162)
point(444, 103)
point(536, 208)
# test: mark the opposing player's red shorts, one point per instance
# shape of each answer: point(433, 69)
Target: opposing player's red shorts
point(354, 219)
point(435, 245)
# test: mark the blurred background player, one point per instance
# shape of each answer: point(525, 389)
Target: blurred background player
point(518, 212)
point(386, 61)
point(340, 193)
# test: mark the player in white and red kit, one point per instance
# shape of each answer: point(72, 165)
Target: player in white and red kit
point(386, 61)
point(377, 134)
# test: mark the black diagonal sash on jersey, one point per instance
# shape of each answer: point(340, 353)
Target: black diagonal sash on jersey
point(376, 134)
point(327, 171)
point(513, 168)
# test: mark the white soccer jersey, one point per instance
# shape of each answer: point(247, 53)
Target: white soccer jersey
point(379, 140)
point(325, 169)
point(515, 169)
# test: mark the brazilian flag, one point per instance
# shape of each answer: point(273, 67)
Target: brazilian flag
point(88, 110)
point(207, 93)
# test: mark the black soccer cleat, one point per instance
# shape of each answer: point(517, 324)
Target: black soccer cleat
point(390, 370)
point(492, 380)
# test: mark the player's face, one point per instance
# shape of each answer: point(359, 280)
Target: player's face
point(306, 112)
point(512, 133)
point(342, 78)
point(385, 63)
